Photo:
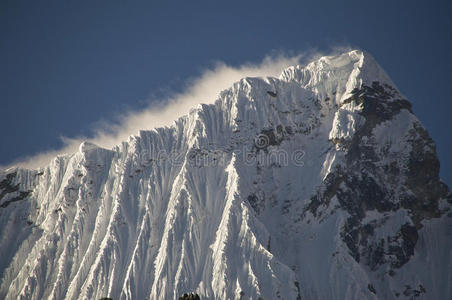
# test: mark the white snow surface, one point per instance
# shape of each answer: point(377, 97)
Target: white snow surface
point(145, 220)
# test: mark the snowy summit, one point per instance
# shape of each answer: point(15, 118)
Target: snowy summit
point(319, 184)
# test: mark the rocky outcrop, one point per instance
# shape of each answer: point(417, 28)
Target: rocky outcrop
point(373, 179)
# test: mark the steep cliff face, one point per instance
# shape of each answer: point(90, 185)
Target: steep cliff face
point(320, 184)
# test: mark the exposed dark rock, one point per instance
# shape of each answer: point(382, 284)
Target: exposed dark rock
point(272, 138)
point(423, 178)
point(191, 296)
point(271, 93)
point(422, 289)
point(402, 245)
point(253, 200)
point(414, 293)
point(408, 291)
point(7, 187)
point(364, 184)
point(241, 294)
point(371, 288)
point(22, 196)
point(297, 285)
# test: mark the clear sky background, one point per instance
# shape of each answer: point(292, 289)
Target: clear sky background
point(66, 65)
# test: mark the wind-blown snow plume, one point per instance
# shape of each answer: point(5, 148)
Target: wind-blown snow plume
point(202, 89)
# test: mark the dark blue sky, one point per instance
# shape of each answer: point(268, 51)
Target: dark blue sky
point(68, 64)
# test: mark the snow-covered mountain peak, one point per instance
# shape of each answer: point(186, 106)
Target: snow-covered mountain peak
point(337, 76)
point(320, 184)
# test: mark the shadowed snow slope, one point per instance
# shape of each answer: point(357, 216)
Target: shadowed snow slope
point(325, 188)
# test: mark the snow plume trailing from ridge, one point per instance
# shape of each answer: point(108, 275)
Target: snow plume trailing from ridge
point(202, 89)
point(163, 112)
point(237, 212)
